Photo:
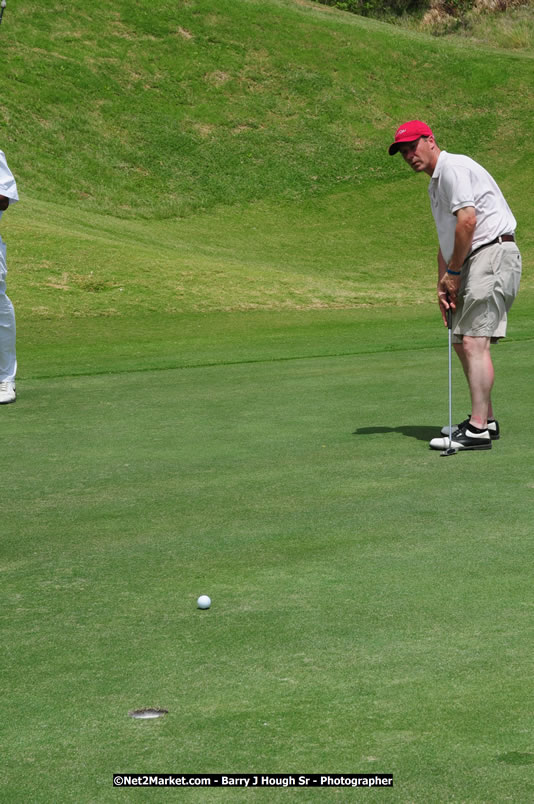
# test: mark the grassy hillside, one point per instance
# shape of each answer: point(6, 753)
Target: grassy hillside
point(188, 158)
point(157, 109)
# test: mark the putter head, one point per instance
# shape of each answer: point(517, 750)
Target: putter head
point(449, 451)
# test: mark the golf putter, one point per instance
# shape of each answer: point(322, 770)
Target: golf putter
point(450, 450)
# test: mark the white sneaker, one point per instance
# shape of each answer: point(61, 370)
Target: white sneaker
point(7, 392)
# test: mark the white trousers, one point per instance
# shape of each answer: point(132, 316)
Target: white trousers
point(8, 359)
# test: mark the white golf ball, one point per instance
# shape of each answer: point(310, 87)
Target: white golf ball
point(204, 602)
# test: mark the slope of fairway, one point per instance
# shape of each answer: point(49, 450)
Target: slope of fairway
point(188, 159)
point(157, 109)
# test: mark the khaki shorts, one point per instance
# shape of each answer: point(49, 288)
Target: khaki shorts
point(490, 281)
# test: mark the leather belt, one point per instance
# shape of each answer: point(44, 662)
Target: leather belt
point(505, 238)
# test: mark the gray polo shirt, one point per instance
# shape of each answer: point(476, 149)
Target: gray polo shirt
point(459, 182)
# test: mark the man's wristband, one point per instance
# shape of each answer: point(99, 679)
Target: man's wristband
point(454, 273)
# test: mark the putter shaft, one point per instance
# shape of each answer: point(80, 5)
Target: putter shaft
point(449, 330)
point(450, 450)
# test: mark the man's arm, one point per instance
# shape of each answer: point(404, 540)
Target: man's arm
point(4, 202)
point(466, 221)
point(449, 284)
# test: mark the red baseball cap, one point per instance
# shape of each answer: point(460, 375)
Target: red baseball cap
point(409, 132)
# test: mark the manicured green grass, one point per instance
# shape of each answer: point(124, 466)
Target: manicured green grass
point(371, 600)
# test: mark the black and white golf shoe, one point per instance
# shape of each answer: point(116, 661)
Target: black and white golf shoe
point(463, 439)
point(493, 428)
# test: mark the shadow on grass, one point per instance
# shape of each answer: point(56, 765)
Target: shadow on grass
point(517, 758)
point(421, 433)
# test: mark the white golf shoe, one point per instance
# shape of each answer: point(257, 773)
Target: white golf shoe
point(7, 392)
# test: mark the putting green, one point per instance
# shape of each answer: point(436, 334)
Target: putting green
point(370, 601)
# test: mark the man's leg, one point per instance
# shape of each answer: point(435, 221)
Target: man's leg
point(8, 360)
point(475, 357)
point(459, 349)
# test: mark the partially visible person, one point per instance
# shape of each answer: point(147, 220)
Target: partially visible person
point(8, 358)
point(479, 269)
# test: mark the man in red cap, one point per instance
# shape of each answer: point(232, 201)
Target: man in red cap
point(479, 268)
